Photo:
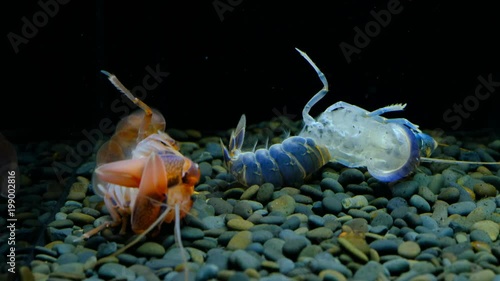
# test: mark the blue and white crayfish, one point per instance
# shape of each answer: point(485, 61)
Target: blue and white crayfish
point(390, 149)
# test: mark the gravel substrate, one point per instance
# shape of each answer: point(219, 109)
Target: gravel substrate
point(440, 223)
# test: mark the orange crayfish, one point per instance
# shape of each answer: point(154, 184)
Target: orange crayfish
point(141, 174)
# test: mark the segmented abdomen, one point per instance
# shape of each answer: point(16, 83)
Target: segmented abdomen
point(284, 164)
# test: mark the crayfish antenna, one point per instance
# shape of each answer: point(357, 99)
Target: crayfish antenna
point(449, 161)
point(147, 110)
point(308, 119)
point(178, 240)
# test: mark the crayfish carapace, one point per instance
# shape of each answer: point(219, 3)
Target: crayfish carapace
point(141, 174)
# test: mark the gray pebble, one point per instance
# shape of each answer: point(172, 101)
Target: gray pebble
point(397, 266)
point(115, 270)
point(371, 271)
point(106, 249)
point(261, 236)
point(218, 257)
point(292, 222)
point(436, 183)
point(220, 205)
point(63, 248)
point(273, 249)
point(191, 233)
point(214, 149)
point(206, 272)
point(429, 222)
point(332, 205)
point(331, 184)
point(67, 258)
point(459, 266)
point(386, 246)
point(303, 209)
point(244, 260)
point(420, 203)
point(479, 235)
point(265, 193)
point(396, 202)
point(285, 265)
point(255, 247)
point(440, 212)
point(359, 189)
point(462, 208)
point(427, 240)
point(275, 219)
point(382, 219)
point(243, 209)
point(314, 191)
point(214, 222)
point(205, 169)
point(293, 246)
point(127, 259)
point(494, 180)
point(379, 203)
point(349, 175)
point(413, 219)
point(300, 198)
point(405, 189)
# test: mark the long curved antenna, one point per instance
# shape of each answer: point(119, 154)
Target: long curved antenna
point(148, 112)
point(177, 238)
point(308, 119)
point(449, 161)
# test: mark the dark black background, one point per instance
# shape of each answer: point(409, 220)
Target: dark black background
point(224, 64)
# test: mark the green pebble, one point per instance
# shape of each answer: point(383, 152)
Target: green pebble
point(284, 204)
point(61, 223)
point(483, 190)
point(486, 274)
point(353, 249)
point(491, 228)
point(240, 240)
point(319, 234)
point(239, 224)
point(81, 218)
point(250, 192)
point(409, 249)
point(151, 249)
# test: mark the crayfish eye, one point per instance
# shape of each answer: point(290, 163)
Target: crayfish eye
point(192, 175)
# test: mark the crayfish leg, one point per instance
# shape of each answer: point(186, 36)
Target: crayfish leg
point(116, 216)
point(125, 172)
point(152, 193)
